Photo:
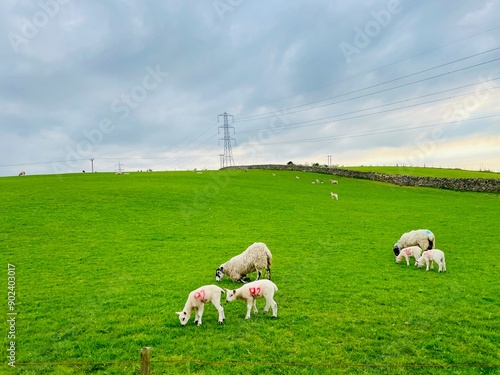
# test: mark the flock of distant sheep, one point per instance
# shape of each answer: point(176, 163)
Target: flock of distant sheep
point(257, 258)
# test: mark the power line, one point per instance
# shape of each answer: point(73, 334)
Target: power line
point(332, 118)
point(272, 114)
point(382, 131)
point(385, 66)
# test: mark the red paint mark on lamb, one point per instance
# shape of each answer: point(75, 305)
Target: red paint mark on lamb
point(254, 291)
point(200, 295)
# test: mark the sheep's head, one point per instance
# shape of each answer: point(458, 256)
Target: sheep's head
point(230, 295)
point(420, 261)
point(183, 317)
point(396, 249)
point(219, 273)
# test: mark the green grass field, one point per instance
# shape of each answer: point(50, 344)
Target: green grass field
point(103, 262)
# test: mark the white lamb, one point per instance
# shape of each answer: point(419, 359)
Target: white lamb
point(334, 182)
point(412, 251)
point(251, 292)
point(334, 196)
point(196, 301)
point(431, 256)
point(421, 237)
point(256, 257)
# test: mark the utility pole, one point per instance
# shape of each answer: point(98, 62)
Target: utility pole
point(92, 163)
point(329, 161)
point(227, 159)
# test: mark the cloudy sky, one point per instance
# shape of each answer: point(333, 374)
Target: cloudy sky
point(143, 82)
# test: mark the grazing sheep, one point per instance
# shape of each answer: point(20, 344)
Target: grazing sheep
point(334, 196)
point(421, 237)
point(412, 251)
point(252, 291)
point(255, 258)
point(297, 177)
point(196, 301)
point(334, 182)
point(432, 256)
point(22, 173)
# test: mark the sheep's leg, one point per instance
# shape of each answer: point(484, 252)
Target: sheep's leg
point(220, 309)
point(199, 314)
point(249, 308)
point(255, 311)
point(269, 302)
point(440, 263)
point(258, 275)
point(407, 259)
point(275, 309)
point(268, 273)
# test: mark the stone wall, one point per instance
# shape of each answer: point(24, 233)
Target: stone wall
point(465, 184)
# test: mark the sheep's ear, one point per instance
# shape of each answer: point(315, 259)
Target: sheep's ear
point(179, 312)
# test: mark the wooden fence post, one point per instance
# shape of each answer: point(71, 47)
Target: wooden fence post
point(145, 361)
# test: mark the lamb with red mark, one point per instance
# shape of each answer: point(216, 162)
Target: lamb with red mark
point(251, 292)
point(196, 301)
point(407, 253)
point(431, 256)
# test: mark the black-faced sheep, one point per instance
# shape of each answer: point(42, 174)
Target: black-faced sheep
point(256, 257)
point(423, 238)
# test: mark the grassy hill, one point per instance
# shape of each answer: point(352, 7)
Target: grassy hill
point(102, 262)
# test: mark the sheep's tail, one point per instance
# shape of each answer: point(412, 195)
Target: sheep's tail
point(431, 239)
point(269, 261)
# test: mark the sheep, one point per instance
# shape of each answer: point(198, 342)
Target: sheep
point(255, 258)
point(412, 251)
point(196, 301)
point(334, 182)
point(22, 173)
point(434, 255)
point(252, 291)
point(421, 237)
point(297, 177)
point(334, 196)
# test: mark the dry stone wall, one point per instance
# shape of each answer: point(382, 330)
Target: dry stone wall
point(464, 184)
